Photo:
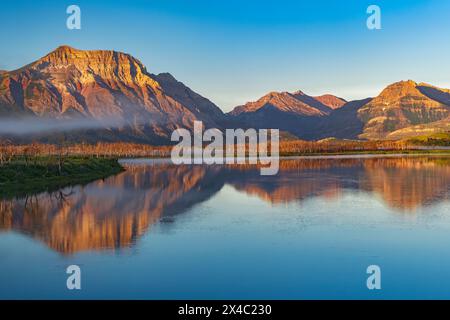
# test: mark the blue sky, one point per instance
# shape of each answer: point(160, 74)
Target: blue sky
point(235, 51)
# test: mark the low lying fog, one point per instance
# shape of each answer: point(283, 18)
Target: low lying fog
point(47, 125)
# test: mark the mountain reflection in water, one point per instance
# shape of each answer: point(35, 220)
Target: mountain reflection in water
point(115, 212)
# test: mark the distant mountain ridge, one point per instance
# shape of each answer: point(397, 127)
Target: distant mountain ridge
point(69, 83)
point(296, 113)
point(297, 103)
point(402, 109)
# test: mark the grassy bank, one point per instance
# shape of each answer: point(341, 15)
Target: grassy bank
point(367, 152)
point(436, 139)
point(22, 176)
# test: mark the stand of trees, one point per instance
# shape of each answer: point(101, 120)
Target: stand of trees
point(35, 152)
point(337, 146)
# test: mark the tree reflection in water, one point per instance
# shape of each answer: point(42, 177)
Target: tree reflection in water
point(115, 212)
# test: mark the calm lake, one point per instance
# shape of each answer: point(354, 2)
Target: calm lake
point(160, 231)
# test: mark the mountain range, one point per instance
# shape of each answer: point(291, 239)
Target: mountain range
point(95, 85)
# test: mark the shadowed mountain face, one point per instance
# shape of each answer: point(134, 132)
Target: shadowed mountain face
point(70, 83)
point(114, 213)
point(342, 123)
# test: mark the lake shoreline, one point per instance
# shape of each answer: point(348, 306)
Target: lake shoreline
point(21, 176)
point(329, 212)
point(286, 155)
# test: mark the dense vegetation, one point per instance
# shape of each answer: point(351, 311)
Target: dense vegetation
point(335, 146)
point(436, 139)
point(23, 175)
point(288, 147)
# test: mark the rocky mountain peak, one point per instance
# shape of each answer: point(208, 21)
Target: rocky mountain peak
point(331, 101)
point(104, 84)
point(298, 93)
point(107, 65)
point(400, 89)
point(400, 105)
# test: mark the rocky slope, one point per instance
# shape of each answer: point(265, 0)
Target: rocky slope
point(331, 101)
point(402, 109)
point(284, 102)
point(71, 83)
point(401, 105)
point(342, 123)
